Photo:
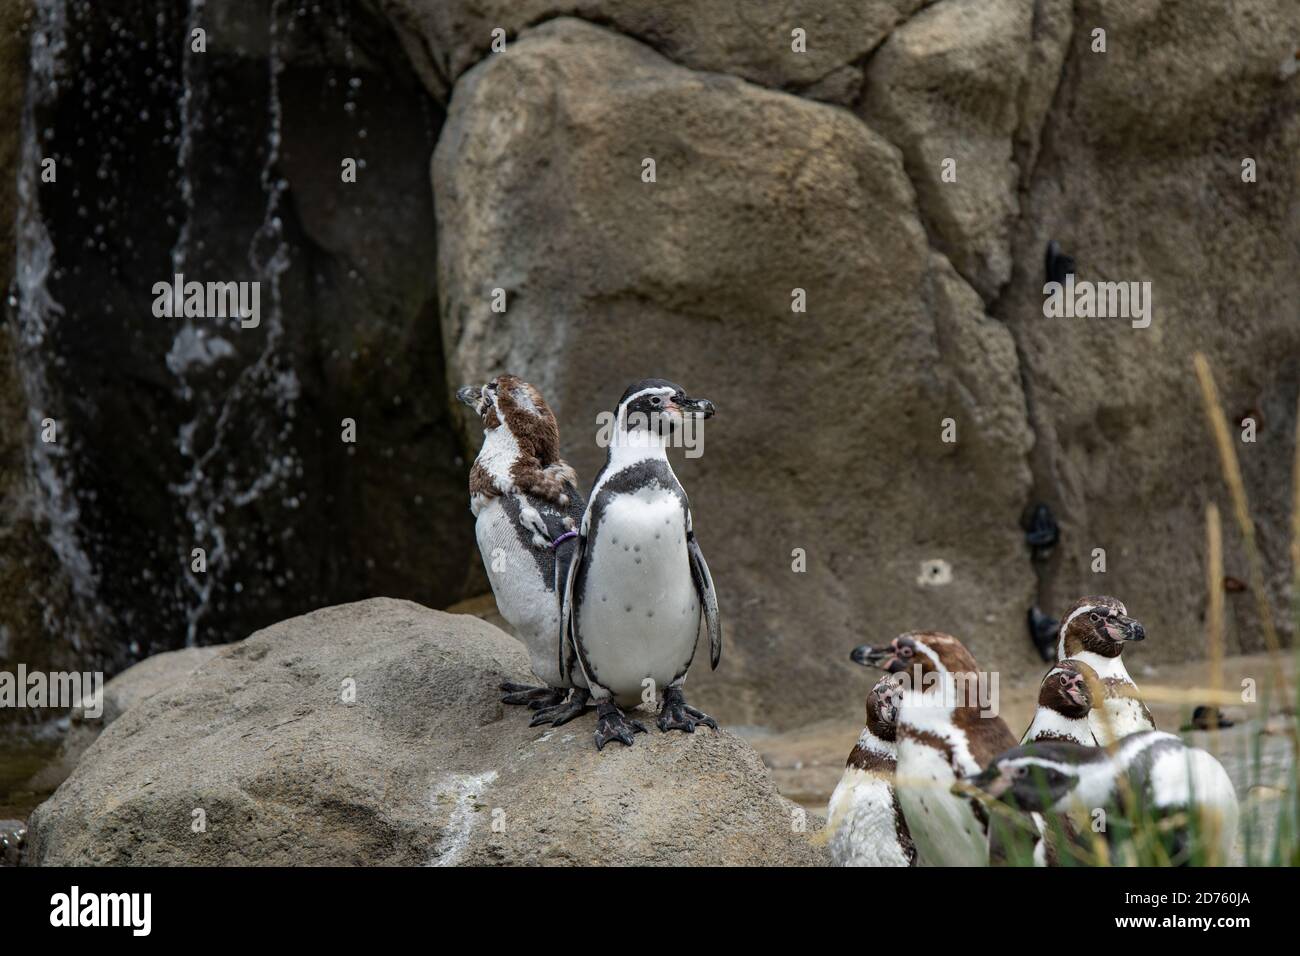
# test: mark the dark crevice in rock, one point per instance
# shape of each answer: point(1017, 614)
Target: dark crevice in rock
point(1045, 487)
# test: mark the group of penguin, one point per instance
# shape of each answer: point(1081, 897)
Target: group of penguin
point(935, 780)
point(608, 592)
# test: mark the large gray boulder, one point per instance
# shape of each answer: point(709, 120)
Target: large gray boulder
point(422, 765)
point(136, 683)
point(828, 438)
point(753, 40)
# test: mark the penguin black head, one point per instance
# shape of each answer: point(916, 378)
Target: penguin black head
point(882, 706)
point(659, 406)
point(1034, 777)
point(510, 401)
point(932, 651)
point(1099, 624)
point(1070, 689)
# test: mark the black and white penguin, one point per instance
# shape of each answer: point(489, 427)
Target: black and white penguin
point(945, 735)
point(1095, 631)
point(638, 584)
point(1180, 795)
point(527, 506)
point(864, 818)
point(1064, 703)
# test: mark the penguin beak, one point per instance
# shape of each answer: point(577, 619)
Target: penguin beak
point(991, 780)
point(698, 406)
point(869, 656)
point(1126, 629)
point(470, 395)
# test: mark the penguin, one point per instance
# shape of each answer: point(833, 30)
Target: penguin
point(944, 737)
point(864, 819)
point(1064, 703)
point(1150, 784)
point(526, 506)
point(1095, 631)
point(638, 584)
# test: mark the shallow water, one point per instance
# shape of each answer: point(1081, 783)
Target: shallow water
point(23, 752)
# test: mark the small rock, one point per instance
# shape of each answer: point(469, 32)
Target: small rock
point(13, 837)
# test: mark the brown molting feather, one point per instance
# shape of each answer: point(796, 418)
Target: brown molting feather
point(952, 653)
point(872, 762)
point(538, 470)
point(534, 429)
point(987, 737)
point(481, 483)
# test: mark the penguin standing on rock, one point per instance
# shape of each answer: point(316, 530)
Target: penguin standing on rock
point(1064, 703)
point(943, 737)
point(638, 584)
point(527, 506)
point(1095, 631)
point(864, 819)
point(1149, 781)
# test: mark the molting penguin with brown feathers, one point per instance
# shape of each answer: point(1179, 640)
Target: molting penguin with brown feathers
point(638, 586)
point(944, 736)
point(1065, 700)
point(864, 818)
point(1095, 631)
point(527, 506)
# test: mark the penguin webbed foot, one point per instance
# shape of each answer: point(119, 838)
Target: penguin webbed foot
point(534, 697)
point(676, 714)
point(613, 724)
point(560, 714)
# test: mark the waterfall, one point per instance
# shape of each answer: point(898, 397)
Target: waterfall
point(54, 502)
point(209, 490)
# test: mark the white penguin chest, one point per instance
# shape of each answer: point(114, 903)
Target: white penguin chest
point(861, 816)
point(639, 614)
point(1122, 716)
point(944, 827)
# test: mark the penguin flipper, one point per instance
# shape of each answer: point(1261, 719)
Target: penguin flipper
point(567, 647)
point(708, 597)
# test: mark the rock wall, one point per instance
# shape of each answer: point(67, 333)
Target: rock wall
point(778, 174)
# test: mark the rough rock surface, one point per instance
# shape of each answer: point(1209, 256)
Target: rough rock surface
point(828, 433)
point(752, 40)
point(1140, 179)
point(947, 85)
point(128, 688)
point(425, 765)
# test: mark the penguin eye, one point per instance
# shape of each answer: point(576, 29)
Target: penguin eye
point(656, 401)
point(1094, 617)
point(904, 651)
point(1022, 771)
